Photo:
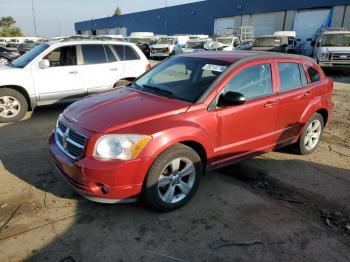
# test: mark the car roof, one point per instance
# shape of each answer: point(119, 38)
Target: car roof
point(242, 56)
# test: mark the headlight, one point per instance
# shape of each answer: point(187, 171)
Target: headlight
point(323, 57)
point(122, 147)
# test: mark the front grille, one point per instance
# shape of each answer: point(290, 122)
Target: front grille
point(69, 141)
point(340, 57)
point(160, 50)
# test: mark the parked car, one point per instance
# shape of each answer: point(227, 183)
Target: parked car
point(7, 55)
point(3, 42)
point(13, 43)
point(155, 138)
point(144, 44)
point(332, 48)
point(194, 45)
point(64, 71)
point(231, 39)
point(168, 46)
point(292, 37)
point(27, 46)
point(271, 43)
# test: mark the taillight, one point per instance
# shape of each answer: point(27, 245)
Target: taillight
point(148, 67)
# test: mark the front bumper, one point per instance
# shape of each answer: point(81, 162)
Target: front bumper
point(160, 54)
point(335, 65)
point(101, 181)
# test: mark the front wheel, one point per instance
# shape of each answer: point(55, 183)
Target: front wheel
point(13, 105)
point(173, 178)
point(4, 61)
point(310, 136)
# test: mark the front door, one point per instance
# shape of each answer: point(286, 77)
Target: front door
point(63, 79)
point(248, 129)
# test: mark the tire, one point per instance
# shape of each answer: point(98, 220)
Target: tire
point(121, 83)
point(13, 105)
point(308, 142)
point(162, 182)
point(4, 61)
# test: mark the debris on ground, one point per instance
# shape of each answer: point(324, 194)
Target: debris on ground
point(336, 220)
point(226, 243)
point(10, 218)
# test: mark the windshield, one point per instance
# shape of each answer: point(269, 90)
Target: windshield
point(336, 40)
point(267, 41)
point(140, 40)
point(25, 59)
point(224, 40)
point(182, 78)
point(165, 40)
point(195, 45)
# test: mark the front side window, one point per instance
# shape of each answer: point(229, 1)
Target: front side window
point(63, 56)
point(93, 54)
point(292, 76)
point(252, 82)
point(182, 78)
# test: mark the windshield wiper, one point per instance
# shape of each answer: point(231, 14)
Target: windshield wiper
point(163, 92)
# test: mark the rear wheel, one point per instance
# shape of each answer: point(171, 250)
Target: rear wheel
point(173, 178)
point(310, 136)
point(13, 105)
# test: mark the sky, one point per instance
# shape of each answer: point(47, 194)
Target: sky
point(57, 17)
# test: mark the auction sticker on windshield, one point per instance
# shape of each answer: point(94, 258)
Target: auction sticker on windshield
point(215, 68)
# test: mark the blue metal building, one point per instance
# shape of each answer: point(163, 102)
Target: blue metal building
point(208, 17)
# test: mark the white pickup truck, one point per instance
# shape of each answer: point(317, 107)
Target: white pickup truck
point(332, 48)
point(63, 71)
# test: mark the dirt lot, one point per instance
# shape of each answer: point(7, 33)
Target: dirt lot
point(277, 207)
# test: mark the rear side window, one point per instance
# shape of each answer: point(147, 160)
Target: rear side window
point(313, 74)
point(93, 54)
point(292, 76)
point(126, 52)
point(252, 82)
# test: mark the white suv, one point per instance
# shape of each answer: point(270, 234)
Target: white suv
point(64, 71)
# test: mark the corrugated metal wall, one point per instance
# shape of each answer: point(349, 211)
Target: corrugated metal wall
point(199, 17)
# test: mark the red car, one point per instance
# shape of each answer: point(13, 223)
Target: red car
point(156, 137)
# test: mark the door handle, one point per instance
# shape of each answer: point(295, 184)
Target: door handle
point(73, 72)
point(270, 104)
point(307, 93)
point(114, 69)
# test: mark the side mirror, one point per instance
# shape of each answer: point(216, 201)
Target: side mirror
point(231, 99)
point(44, 64)
point(312, 43)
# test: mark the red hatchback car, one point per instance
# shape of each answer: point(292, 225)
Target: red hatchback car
point(155, 137)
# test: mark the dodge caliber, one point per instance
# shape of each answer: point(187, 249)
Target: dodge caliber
point(155, 138)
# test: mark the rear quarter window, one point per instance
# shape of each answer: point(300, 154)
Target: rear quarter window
point(313, 74)
point(126, 53)
point(93, 54)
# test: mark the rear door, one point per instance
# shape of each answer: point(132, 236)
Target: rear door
point(101, 68)
point(295, 95)
point(249, 128)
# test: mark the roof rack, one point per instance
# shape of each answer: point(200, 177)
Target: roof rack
point(90, 37)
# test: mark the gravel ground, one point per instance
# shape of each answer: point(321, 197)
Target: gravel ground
point(276, 207)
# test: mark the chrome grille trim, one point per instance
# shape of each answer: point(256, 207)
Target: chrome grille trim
point(69, 141)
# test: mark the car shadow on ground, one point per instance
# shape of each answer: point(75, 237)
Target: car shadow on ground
point(135, 233)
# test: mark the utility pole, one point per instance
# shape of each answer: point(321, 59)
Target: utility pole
point(58, 27)
point(34, 18)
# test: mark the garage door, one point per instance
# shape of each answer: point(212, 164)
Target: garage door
point(265, 24)
point(306, 24)
point(223, 23)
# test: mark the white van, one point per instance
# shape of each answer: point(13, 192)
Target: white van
point(167, 46)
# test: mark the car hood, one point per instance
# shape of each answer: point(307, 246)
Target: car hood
point(336, 49)
point(109, 111)
point(161, 46)
point(5, 67)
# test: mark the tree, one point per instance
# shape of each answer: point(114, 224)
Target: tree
point(7, 21)
point(117, 11)
point(7, 29)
